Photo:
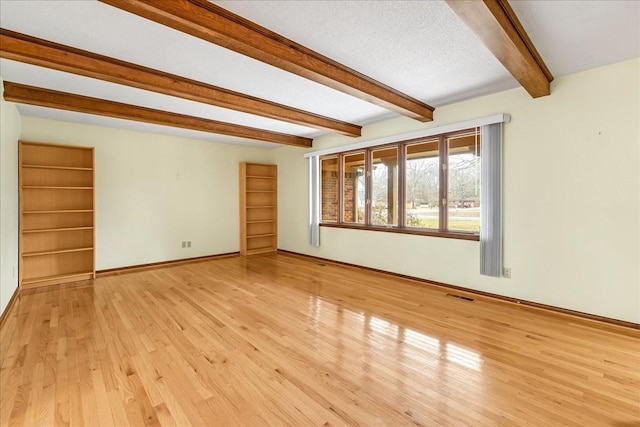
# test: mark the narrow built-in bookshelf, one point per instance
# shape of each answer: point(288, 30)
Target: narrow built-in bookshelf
point(56, 214)
point(258, 208)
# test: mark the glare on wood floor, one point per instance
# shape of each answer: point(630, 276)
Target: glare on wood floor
point(286, 340)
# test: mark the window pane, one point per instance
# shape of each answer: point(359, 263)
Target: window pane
point(353, 191)
point(384, 186)
point(329, 169)
point(464, 183)
point(421, 186)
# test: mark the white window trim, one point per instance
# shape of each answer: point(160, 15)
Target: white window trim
point(452, 127)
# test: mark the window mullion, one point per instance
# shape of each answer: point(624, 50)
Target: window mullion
point(368, 182)
point(443, 150)
point(402, 200)
point(340, 189)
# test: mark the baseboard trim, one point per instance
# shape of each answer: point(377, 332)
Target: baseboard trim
point(473, 292)
point(141, 267)
point(7, 310)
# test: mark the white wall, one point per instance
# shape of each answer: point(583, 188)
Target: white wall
point(571, 192)
point(154, 191)
point(9, 134)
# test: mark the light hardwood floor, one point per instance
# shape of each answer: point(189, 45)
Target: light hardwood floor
point(284, 340)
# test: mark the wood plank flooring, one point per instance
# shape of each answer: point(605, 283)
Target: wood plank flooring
point(286, 340)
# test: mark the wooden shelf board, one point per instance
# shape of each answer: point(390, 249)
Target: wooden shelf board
point(59, 211)
point(261, 207)
point(261, 177)
point(48, 230)
point(69, 168)
point(49, 187)
point(261, 191)
point(261, 221)
point(59, 251)
point(56, 276)
point(261, 250)
point(254, 236)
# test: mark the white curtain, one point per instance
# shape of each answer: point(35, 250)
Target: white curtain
point(491, 201)
point(314, 200)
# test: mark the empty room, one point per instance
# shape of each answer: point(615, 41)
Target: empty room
point(319, 213)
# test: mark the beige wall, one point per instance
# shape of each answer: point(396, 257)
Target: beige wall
point(571, 193)
point(154, 191)
point(9, 134)
point(572, 196)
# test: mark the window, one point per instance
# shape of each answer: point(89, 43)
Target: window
point(424, 186)
point(353, 188)
point(330, 188)
point(384, 186)
point(463, 186)
point(421, 185)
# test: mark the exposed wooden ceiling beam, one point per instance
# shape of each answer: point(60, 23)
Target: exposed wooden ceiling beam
point(24, 94)
point(31, 50)
point(498, 27)
point(210, 22)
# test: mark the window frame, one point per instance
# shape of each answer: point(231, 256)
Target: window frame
point(338, 188)
point(401, 227)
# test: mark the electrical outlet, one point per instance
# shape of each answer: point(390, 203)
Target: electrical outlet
point(184, 244)
point(506, 273)
point(188, 243)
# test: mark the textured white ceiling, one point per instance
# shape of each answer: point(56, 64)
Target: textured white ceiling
point(418, 47)
point(58, 80)
point(578, 35)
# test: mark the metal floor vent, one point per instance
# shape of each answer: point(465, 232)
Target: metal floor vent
point(461, 297)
